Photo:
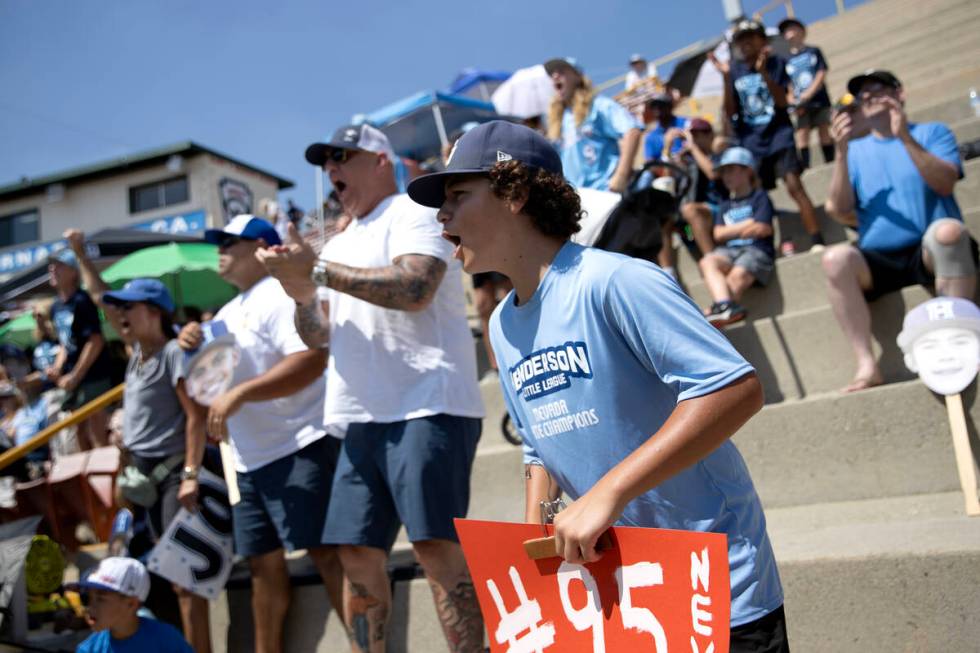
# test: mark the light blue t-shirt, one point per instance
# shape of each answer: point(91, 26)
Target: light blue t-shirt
point(590, 152)
point(594, 363)
point(152, 637)
point(894, 204)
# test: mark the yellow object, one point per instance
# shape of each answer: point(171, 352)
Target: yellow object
point(44, 567)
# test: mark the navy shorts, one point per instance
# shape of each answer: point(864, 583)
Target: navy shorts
point(777, 165)
point(415, 472)
point(284, 503)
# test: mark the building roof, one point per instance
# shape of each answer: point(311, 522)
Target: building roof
point(144, 159)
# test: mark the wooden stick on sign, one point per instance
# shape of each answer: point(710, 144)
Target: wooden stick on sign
point(231, 476)
point(964, 454)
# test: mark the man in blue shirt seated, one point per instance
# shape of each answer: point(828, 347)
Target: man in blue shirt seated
point(893, 181)
point(624, 395)
point(667, 130)
point(113, 594)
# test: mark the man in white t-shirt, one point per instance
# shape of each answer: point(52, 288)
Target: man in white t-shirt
point(272, 413)
point(402, 376)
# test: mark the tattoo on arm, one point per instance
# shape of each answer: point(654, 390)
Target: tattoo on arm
point(368, 617)
point(459, 612)
point(312, 325)
point(409, 284)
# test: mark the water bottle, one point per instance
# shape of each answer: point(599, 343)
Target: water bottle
point(975, 101)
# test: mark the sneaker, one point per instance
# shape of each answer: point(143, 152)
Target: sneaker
point(724, 313)
point(787, 248)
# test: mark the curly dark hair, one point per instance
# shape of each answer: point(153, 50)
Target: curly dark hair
point(552, 203)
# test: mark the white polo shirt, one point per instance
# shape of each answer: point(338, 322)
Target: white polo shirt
point(389, 365)
point(261, 318)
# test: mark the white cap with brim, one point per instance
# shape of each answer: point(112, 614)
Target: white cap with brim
point(126, 576)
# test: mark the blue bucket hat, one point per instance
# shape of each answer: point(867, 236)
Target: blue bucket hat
point(479, 150)
point(736, 156)
point(150, 291)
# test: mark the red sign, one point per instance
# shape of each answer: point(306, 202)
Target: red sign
point(654, 590)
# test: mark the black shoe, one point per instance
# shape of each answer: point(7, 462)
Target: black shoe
point(724, 313)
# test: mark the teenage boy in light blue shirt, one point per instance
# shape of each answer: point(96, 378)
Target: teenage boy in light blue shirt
point(626, 398)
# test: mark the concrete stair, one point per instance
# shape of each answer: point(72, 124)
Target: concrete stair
point(861, 490)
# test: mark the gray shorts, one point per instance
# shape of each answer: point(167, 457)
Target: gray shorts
point(813, 118)
point(758, 263)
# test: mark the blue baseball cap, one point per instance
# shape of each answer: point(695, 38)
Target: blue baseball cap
point(246, 227)
point(479, 150)
point(736, 156)
point(551, 65)
point(64, 256)
point(150, 291)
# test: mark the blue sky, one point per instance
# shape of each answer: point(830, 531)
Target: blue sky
point(85, 81)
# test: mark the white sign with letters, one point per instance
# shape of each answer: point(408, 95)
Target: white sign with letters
point(196, 550)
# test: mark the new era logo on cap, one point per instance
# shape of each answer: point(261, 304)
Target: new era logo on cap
point(480, 149)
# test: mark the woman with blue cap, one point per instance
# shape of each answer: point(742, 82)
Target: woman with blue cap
point(163, 428)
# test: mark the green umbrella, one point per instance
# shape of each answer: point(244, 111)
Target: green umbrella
point(19, 331)
point(189, 270)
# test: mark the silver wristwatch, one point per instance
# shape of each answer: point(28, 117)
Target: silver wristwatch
point(319, 275)
point(188, 473)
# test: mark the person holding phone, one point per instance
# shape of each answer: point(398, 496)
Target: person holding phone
point(893, 181)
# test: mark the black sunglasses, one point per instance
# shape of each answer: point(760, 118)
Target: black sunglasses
point(231, 241)
point(339, 155)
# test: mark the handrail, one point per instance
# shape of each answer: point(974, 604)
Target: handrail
point(14, 454)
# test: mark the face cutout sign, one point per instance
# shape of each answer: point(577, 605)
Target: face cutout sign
point(212, 367)
point(940, 341)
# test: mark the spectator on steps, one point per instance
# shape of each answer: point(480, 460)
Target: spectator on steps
point(743, 230)
point(639, 71)
point(163, 428)
point(698, 208)
point(273, 417)
point(82, 366)
point(659, 391)
point(807, 70)
point(893, 181)
point(755, 89)
point(666, 136)
point(23, 417)
point(597, 136)
point(386, 295)
point(113, 593)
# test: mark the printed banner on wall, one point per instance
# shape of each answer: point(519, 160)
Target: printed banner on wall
point(654, 590)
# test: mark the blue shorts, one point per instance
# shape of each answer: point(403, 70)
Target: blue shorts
point(284, 503)
point(415, 472)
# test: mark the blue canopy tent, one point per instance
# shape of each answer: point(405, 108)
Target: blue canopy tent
point(479, 84)
point(419, 125)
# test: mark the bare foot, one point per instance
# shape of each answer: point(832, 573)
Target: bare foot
point(863, 382)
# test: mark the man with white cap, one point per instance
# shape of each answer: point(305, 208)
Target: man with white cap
point(402, 376)
point(272, 413)
point(113, 594)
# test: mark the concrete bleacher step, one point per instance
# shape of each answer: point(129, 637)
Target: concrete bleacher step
point(892, 574)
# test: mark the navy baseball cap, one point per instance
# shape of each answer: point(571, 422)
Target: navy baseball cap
point(479, 150)
point(151, 291)
point(246, 227)
point(855, 83)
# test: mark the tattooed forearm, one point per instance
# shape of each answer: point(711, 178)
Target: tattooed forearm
point(409, 284)
point(368, 617)
point(459, 613)
point(312, 325)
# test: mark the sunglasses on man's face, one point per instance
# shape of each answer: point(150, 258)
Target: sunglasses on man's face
point(231, 241)
point(340, 155)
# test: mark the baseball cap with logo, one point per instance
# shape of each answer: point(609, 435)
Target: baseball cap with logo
point(126, 576)
point(748, 26)
point(736, 156)
point(938, 313)
point(151, 291)
point(479, 150)
point(855, 83)
point(363, 137)
point(246, 227)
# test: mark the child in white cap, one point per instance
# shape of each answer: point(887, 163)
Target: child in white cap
point(114, 592)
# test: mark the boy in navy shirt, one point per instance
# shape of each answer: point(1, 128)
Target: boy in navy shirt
point(807, 70)
point(743, 229)
point(624, 395)
point(755, 92)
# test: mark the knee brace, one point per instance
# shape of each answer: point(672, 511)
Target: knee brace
point(954, 260)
